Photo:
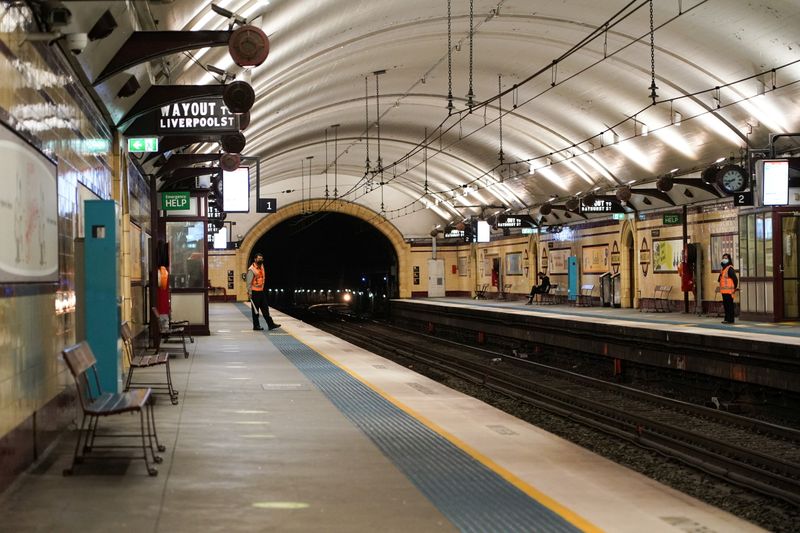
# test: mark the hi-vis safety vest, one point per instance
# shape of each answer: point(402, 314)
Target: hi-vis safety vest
point(258, 280)
point(726, 285)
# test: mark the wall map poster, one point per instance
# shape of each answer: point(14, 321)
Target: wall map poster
point(28, 213)
point(595, 259)
point(558, 260)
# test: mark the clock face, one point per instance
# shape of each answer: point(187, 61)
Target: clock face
point(732, 179)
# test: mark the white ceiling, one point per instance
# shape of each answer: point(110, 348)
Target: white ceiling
point(321, 51)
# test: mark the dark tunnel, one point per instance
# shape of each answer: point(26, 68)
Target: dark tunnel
point(328, 251)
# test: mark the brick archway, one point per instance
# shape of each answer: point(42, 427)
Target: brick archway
point(401, 248)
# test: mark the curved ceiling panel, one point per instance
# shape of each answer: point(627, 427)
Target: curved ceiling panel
point(576, 109)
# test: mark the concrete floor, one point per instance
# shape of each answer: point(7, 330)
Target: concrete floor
point(252, 446)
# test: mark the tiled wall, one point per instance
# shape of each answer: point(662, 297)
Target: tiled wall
point(42, 102)
point(704, 223)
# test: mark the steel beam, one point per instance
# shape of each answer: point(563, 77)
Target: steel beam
point(143, 46)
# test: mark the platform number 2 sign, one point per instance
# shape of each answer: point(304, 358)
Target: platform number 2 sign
point(743, 199)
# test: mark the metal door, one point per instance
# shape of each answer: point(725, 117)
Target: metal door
point(788, 275)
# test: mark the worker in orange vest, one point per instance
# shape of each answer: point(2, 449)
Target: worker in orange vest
point(728, 284)
point(255, 292)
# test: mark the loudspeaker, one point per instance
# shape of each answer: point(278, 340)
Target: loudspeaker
point(230, 162)
point(233, 143)
point(239, 97)
point(248, 46)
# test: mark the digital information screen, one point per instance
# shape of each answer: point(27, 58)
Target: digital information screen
point(236, 190)
point(776, 182)
point(483, 231)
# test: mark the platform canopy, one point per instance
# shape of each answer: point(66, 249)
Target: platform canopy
point(575, 77)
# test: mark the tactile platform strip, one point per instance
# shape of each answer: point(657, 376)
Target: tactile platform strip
point(470, 495)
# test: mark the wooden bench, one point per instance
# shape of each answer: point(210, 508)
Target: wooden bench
point(661, 298)
point(170, 331)
point(551, 296)
point(138, 361)
point(97, 404)
point(480, 292)
point(504, 292)
point(584, 298)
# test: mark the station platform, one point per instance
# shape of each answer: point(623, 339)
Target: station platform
point(758, 353)
point(778, 332)
point(296, 430)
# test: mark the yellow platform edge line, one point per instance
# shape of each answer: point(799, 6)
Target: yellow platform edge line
point(561, 510)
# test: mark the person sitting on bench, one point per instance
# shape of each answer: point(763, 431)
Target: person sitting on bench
point(542, 288)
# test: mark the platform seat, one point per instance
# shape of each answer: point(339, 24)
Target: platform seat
point(137, 361)
point(96, 404)
point(169, 331)
point(585, 296)
point(480, 292)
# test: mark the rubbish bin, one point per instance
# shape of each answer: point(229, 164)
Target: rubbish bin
point(616, 290)
point(605, 289)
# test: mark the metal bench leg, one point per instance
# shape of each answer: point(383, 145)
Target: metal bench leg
point(160, 447)
point(173, 394)
point(150, 470)
point(130, 379)
point(75, 457)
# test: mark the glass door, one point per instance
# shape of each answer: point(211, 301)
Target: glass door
point(789, 271)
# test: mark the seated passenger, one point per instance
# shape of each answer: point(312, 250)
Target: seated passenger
point(542, 288)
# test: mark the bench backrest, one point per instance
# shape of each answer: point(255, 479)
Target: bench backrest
point(664, 288)
point(587, 287)
point(80, 360)
point(127, 341)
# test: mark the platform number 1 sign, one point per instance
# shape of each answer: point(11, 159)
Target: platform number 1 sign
point(266, 205)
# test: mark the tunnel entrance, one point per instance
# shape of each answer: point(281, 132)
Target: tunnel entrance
point(328, 251)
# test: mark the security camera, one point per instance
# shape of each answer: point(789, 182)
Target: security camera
point(76, 42)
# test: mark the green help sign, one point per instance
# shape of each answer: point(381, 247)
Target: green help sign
point(143, 144)
point(671, 219)
point(175, 201)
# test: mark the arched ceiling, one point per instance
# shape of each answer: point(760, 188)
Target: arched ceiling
point(578, 71)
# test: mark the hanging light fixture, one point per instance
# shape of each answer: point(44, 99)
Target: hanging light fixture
point(665, 183)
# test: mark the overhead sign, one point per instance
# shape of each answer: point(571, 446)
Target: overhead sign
point(175, 200)
point(209, 115)
point(671, 219)
point(143, 144)
point(454, 233)
point(601, 205)
point(514, 221)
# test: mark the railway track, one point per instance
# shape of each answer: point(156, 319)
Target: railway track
point(761, 456)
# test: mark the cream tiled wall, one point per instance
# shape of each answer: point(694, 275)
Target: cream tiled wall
point(41, 101)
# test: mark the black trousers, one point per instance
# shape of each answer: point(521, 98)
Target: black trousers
point(259, 301)
point(729, 306)
point(537, 289)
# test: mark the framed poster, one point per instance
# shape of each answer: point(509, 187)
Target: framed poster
point(667, 255)
point(595, 259)
point(721, 244)
point(514, 264)
point(557, 260)
point(28, 213)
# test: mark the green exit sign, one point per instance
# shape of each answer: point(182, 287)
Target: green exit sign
point(175, 201)
point(671, 219)
point(143, 144)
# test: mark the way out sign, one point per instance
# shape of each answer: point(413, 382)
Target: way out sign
point(196, 116)
point(175, 201)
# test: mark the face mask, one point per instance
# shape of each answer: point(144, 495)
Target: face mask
point(260, 262)
point(724, 262)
